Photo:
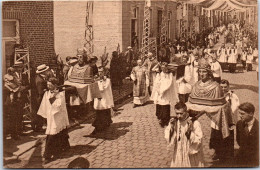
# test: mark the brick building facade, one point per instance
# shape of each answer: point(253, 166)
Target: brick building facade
point(31, 24)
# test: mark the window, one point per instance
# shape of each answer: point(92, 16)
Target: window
point(9, 40)
point(11, 29)
point(134, 27)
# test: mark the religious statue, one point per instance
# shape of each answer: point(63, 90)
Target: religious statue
point(206, 91)
point(82, 72)
point(208, 97)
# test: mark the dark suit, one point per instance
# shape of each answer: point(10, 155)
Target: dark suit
point(248, 155)
point(41, 85)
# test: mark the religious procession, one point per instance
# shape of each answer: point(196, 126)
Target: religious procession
point(173, 84)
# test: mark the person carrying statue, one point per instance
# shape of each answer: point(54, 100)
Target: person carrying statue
point(208, 97)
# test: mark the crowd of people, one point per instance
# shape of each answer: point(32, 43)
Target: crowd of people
point(185, 74)
point(192, 78)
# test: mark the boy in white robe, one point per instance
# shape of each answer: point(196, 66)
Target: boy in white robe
point(103, 106)
point(184, 136)
point(53, 108)
point(164, 94)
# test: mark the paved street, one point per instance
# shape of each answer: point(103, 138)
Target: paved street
point(135, 139)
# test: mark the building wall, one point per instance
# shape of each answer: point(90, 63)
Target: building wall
point(70, 20)
point(107, 26)
point(127, 15)
point(36, 27)
point(69, 27)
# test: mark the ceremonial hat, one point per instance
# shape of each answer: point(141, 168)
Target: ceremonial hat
point(42, 68)
point(203, 64)
point(81, 51)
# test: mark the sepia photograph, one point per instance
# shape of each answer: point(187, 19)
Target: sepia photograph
point(130, 84)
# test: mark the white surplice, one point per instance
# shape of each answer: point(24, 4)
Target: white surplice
point(186, 152)
point(106, 102)
point(55, 113)
point(164, 91)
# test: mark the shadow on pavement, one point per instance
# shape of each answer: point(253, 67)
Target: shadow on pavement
point(242, 86)
point(35, 160)
point(115, 131)
point(77, 150)
point(10, 145)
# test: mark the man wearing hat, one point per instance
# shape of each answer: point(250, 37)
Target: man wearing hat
point(41, 85)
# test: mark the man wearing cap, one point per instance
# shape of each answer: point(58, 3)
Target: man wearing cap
point(41, 86)
point(150, 63)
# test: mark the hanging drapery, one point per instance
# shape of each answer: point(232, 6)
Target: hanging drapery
point(242, 4)
point(224, 6)
point(216, 5)
point(234, 6)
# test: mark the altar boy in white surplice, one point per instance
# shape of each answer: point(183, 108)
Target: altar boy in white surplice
point(184, 136)
point(53, 108)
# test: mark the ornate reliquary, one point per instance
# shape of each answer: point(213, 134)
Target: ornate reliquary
point(82, 75)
